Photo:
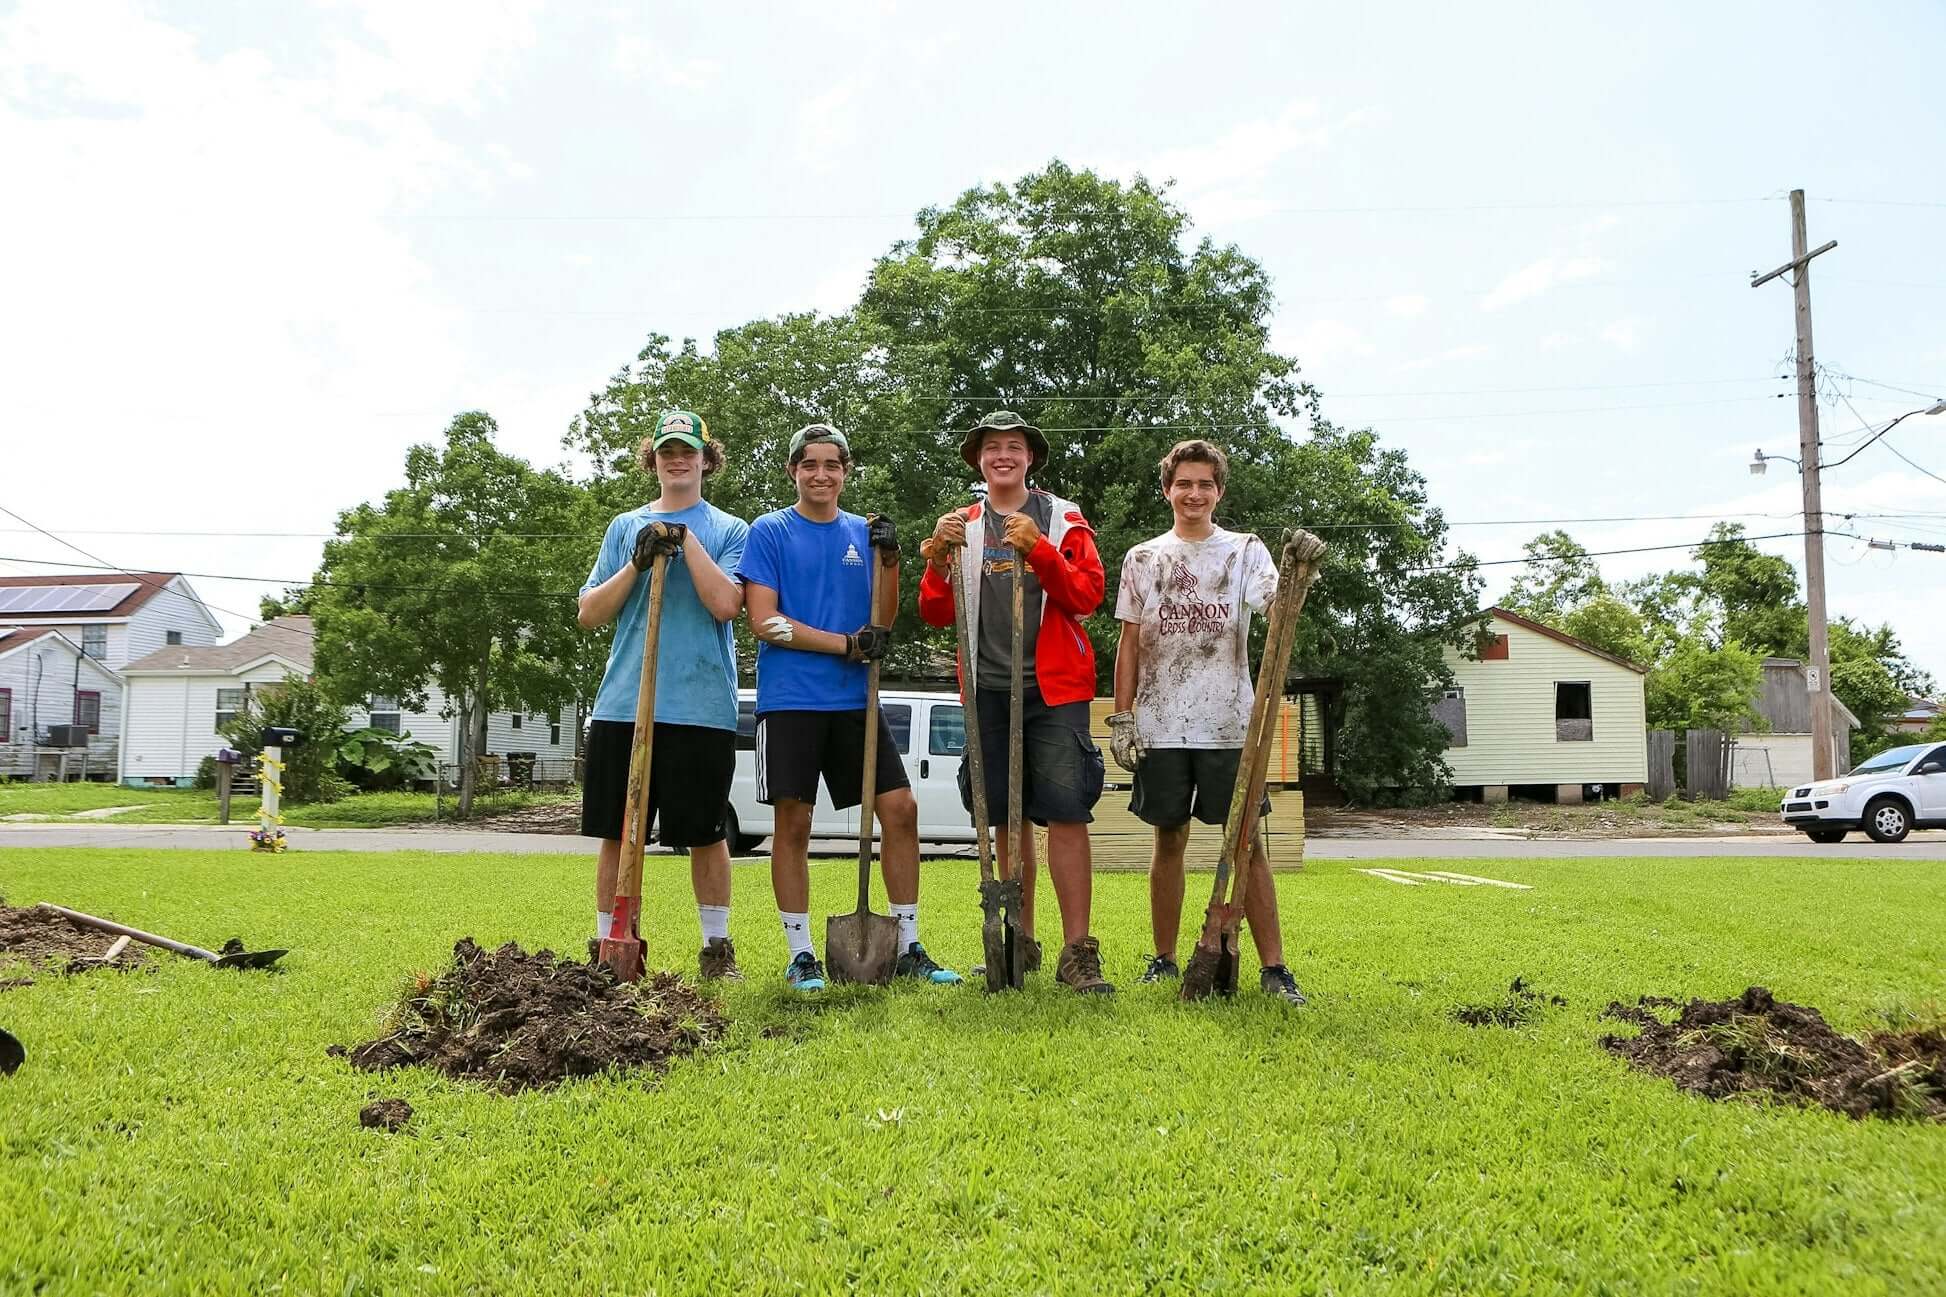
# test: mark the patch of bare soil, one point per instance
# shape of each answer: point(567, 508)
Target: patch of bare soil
point(549, 817)
point(1758, 1047)
point(33, 940)
point(1523, 1005)
point(518, 1021)
point(388, 1115)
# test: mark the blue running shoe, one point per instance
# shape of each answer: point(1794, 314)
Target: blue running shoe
point(916, 963)
point(805, 974)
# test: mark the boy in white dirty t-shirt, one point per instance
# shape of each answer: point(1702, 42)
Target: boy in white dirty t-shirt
point(1183, 690)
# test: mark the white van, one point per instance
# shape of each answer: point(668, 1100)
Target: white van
point(929, 729)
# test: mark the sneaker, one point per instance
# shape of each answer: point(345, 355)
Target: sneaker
point(1080, 967)
point(1160, 969)
point(1277, 980)
point(805, 974)
point(916, 963)
point(719, 961)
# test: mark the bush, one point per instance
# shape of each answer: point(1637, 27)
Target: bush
point(310, 773)
point(205, 773)
point(378, 760)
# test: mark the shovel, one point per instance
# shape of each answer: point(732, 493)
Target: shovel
point(1000, 898)
point(12, 1053)
point(228, 958)
point(1212, 966)
point(864, 947)
point(622, 949)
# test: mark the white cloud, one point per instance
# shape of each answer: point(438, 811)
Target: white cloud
point(1537, 277)
point(1407, 306)
point(1221, 181)
point(1623, 333)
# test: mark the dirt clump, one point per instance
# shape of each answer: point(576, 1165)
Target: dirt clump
point(1523, 1005)
point(518, 1021)
point(33, 940)
point(388, 1115)
point(1757, 1046)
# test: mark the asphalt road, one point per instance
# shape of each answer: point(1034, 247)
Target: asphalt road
point(1928, 845)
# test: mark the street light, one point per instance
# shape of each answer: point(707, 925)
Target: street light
point(1757, 465)
point(1758, 462)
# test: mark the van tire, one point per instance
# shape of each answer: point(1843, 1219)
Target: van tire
point(739, 843)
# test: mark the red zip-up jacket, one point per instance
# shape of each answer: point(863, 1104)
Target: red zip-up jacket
point(1073, 581)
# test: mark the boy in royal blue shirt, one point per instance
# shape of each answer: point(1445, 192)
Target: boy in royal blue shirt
point(696, 677)
point(806, 574)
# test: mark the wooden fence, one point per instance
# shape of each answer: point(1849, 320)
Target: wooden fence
point(1702, 760)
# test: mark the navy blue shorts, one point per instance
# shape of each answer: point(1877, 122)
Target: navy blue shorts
point(1062, 772)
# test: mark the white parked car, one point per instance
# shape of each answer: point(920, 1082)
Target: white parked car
point(1897, 791)
point(930, 730)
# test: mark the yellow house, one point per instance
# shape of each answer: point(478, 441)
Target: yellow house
point(1543, 714)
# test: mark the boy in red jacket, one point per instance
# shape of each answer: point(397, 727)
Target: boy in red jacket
point(1053, 546)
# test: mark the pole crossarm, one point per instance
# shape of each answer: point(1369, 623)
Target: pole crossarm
point(1757, 280)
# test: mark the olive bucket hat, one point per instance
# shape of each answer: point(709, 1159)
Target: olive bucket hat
point(1004, 421)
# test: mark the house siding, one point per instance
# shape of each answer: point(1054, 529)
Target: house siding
point(55, 691)
point(1510, 729)
point(172, 720)
point(174, 607)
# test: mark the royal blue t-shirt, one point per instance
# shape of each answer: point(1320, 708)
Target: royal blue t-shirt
point(696, 664)
point(822, 574)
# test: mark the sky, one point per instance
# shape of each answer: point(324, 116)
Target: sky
point(253, 252)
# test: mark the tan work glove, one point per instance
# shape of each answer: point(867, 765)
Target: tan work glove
point(1125, 741)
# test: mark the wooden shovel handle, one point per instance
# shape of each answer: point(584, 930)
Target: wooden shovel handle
point(146, 938)
point(635, 827)
point(972, 753)
point(868, 779)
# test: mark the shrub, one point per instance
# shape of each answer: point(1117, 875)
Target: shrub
point(310, 773)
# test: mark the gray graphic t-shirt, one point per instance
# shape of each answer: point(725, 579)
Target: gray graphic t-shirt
point(997, 564)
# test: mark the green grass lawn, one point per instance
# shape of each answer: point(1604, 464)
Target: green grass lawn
point(198, 806)
point(184, 1132)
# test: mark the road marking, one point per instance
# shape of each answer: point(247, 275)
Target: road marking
point(1411, 879)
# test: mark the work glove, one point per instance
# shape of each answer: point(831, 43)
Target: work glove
point(1021, 533)
point(947, 535)
point(1303, 547)
point(884, 537)
point(658, 538)
point(1125, 741)
point(868, 643)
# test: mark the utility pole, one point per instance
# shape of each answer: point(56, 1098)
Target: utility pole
point(1818, 674)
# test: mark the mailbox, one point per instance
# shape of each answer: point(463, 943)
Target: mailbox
point(275, 737)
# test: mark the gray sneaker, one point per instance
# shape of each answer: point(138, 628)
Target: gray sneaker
point(1276, 980)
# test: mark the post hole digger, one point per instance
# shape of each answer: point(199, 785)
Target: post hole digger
point(1212, 966)
point(622, 950)
point(864, 947)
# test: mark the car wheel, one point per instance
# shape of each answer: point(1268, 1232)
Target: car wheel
point(1826, 836)
point(1887, 820)
point(733, 834)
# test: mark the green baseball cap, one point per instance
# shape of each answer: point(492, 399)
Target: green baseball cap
point(1003, 421)
point(818, 432)
point(685, 426)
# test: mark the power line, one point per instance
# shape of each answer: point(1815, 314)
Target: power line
point(1344, 396)
point(1609, 553)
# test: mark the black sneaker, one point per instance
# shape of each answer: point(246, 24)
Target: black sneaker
point(1277, 980)
point(917, 964)
point(1161, 969)
point(806, 974)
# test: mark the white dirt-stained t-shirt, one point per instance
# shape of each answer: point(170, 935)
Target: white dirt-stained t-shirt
point(1193, 600)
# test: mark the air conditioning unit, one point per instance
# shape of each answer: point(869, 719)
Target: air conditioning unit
point(67, 736)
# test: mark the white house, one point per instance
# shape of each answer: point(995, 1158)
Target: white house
point(177, 697)
point(1544, 714)
point(63, 640)
point(1781, 756)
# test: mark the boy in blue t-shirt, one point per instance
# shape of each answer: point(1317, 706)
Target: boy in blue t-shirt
point(806, 574)
point(696, 677)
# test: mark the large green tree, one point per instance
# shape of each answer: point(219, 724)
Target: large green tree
point(460, 578)
point(1558, 578)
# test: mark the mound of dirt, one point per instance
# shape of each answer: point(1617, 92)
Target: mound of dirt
point(1523, 1005)
point(1756, 1046)
point(33, 940)
point(518, 1021)
point(388, 1115)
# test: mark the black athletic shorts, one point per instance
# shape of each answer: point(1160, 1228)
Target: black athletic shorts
point(1171, 784)
point(690, 770)
point(795, 747)
point(1062, 770)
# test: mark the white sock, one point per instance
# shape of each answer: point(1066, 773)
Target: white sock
point(604, 925)
point(797, 931)
point(908, 917)
point(715, 920)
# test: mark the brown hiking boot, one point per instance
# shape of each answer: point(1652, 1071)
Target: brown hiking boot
point(719, 960)
point(1080, 967)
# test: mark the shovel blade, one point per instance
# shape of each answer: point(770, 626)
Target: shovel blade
point(1001, 937)
point(250, 958)
point(12, 1054)
point(862, 947)
point(623, 957)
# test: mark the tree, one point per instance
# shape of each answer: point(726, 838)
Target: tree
point(1752, 595)
point(1863, 680)
point(1610, 624)
point(1558, 577)
point(462, 578)
point(1698, 685)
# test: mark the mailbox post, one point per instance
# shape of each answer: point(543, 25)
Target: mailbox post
point(269, 835)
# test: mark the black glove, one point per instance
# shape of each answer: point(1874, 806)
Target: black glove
point(658, 538)
point(883, 535)
point(868, 643)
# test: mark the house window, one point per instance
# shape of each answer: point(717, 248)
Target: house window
point(94, 641)
point(228, 703)
point(1574, 711)
point(87, 709)
point(514, 717)
point(385, 714)
point(554, 729)
point(1493, 648)
point(172, 637)
point(6, 715)
point(1450, 711)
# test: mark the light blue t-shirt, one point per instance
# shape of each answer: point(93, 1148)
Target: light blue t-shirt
point(696, 665)
point(822, 574)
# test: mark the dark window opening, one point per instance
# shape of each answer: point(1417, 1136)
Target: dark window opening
point(94, 641)
point(172, 637)
point(1574, 711)
point(87, 709)
point(6, 715)
point(514, 718)
point(385, 715)
point(1450, 711)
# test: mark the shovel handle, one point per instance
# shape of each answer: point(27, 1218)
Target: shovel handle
point(868, 778)
point(635, 828)
point(146, 938)
point(1016, 711)
point(972, 754)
